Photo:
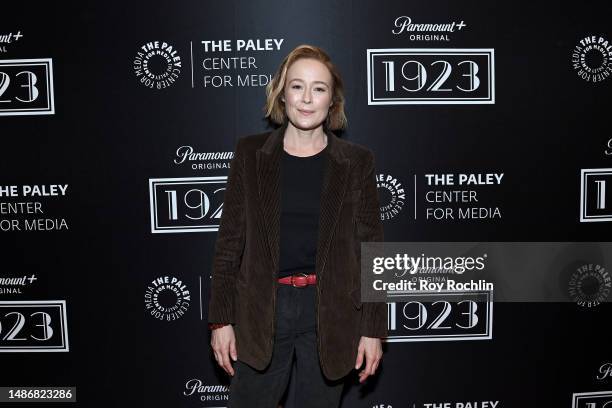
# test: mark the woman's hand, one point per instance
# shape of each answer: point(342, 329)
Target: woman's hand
point(371, 347)
point(223, 343)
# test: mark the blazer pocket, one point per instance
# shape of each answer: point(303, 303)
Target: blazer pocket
point(356, 298)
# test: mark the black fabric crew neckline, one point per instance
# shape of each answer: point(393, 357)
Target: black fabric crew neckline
point(306, 157)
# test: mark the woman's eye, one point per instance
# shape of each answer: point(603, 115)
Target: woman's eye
point(321, 89)
point(295, 86)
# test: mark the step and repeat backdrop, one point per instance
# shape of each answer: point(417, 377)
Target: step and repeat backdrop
point(490, 121)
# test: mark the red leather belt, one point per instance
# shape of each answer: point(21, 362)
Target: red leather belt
point(299, 280)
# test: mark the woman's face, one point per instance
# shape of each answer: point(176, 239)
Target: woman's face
point(307, 93)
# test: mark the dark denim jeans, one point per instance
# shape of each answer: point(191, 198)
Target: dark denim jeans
point(295, 330)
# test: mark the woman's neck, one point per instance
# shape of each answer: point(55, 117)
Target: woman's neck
point(298, 142)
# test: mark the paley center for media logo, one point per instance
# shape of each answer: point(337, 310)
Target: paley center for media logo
point(460, 196)
point(167, 298)
point(592, 58)
point(392, 195)
point(31, 207)
point(157, 64)
point(590, 285)
point(472, 403)
point(212, 64)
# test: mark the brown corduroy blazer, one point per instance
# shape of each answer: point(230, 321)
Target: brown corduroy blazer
point(245, 266)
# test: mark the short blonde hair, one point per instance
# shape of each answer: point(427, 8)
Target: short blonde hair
point(275, 107)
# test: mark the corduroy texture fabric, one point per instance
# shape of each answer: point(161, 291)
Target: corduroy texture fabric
point(245, 265)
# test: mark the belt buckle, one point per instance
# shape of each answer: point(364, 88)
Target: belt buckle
point(299, 274)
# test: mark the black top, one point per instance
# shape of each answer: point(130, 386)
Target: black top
point(301, 184)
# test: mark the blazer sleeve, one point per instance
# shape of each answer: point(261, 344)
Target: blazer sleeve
point(229, 245)
point(370, 229)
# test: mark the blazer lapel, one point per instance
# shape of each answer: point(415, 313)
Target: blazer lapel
point(268, 183)
point(332, 194)
point(268, 159)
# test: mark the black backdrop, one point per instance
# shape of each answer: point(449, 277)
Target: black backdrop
point(115, 143)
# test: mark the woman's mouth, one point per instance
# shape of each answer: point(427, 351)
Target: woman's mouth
point(305, 113)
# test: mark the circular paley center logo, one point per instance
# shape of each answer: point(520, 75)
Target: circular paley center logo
point(157, 64)
point(592, 58)
point(167, 298)
point(392, 196)
point(589, 285)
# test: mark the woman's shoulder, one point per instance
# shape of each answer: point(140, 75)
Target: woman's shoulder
point(355, 150)
point(253, 141)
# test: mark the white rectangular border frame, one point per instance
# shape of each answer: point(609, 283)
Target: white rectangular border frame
point(63, 323)
point(584, 173)
point(50, 109)
point(155, 229)
point(578, 395)
point(488, 335)
point(490, 52)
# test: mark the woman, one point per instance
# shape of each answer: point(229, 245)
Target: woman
point(286, 276)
